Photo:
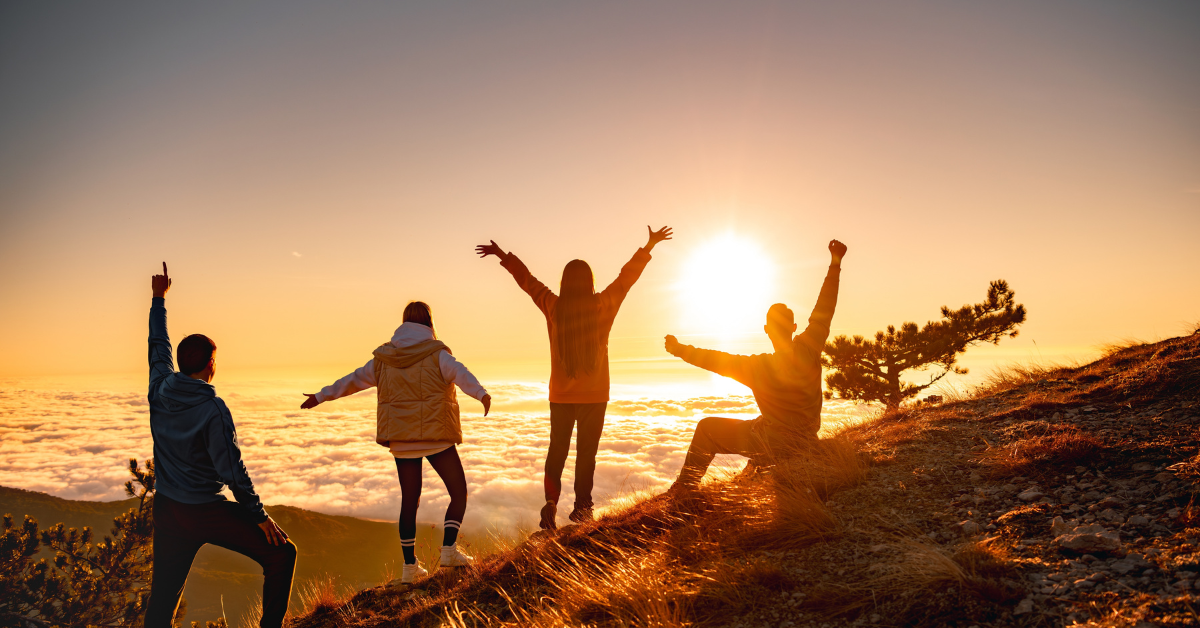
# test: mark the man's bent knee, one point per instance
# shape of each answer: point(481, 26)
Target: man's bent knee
point(282, 558)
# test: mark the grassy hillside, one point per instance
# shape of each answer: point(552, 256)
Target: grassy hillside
point(343, 552)
point(1050, 497)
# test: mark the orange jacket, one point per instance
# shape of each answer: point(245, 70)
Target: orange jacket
point(593, 387)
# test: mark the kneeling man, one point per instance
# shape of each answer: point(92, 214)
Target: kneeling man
point(786, 385)
point(196, 454)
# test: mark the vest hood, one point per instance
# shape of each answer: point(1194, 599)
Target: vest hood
point(179, 392)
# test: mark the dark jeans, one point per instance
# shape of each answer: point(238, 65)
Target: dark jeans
point(718, 435)
point(449, 467)
point(563, 417)
point(179, 532)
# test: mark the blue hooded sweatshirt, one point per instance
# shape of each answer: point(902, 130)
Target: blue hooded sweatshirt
point(196, 450)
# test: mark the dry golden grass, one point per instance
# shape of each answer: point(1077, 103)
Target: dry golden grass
point(1011, 376)
point(914, 579)
point(1050, 448)
point(321, 595)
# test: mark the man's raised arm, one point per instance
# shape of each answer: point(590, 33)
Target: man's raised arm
point(162, 363)
point(822, 315)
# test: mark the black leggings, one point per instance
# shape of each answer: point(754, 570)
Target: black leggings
point(450, 469)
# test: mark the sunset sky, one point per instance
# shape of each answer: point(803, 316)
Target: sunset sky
point(307, 168)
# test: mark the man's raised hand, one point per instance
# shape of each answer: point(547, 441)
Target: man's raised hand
point(161, 283)
point(311, 402)
point(672, 345)
point(837, 250)
point(485, 250)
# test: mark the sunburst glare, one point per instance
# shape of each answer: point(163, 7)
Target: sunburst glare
point(726, 287)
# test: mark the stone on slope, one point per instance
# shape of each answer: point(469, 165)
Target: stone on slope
point(1031, 495)
point(1092, 539)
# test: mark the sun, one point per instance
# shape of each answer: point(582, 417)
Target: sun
point(726, 287)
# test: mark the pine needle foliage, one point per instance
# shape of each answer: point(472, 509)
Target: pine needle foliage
point(870, 370)
point(86, 583)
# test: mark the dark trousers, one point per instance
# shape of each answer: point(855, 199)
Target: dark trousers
point(449, 467)
point(563, 417)
point(718, 435)
point(179, 532)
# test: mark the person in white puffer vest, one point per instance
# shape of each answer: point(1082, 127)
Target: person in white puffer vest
point(418, 417)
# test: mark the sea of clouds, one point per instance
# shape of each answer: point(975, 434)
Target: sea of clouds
point(75, 444)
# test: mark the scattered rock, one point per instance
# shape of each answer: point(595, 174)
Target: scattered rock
point(1024, 607)
point(1137, 520)
point(1164, 477)
point(1122, 567)
point(970, 528)
point(1089, 540)
point(1110, 502)
point(1058, 527)
point(1144, 466)
point(1031, 495)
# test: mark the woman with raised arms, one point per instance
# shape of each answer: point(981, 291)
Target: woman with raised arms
point(417, 418)
point(578, 320)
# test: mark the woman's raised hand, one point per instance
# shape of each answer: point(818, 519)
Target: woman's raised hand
point(311, 402)
point(485, 250)
point(656, 236)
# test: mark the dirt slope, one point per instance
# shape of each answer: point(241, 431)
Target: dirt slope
point(1050, 498)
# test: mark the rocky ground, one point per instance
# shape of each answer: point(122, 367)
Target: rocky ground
point(1052, 498)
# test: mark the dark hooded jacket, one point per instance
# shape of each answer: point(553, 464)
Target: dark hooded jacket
point(196, 451)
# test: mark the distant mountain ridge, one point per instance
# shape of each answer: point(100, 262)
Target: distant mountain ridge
point(355, 552)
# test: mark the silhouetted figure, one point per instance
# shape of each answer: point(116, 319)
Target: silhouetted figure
point(578, 320)
point(786, 385)
point(417, 417)
point(196, 454)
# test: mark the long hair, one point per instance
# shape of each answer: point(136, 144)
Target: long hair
point(577, 320)
point(419, 312)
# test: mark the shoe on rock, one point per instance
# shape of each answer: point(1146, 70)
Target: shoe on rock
point(410, 573)
point(549, 512)
point(451, 557)
point(582, 515)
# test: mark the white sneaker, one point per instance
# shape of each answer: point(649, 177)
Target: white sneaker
point(410, 573)
point(451, 557)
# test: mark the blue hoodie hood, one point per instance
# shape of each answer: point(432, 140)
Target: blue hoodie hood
point(178, 392)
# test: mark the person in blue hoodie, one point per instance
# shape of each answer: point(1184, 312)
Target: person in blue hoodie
point(196, 454)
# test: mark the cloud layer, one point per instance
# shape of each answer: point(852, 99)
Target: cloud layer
point(75, 445)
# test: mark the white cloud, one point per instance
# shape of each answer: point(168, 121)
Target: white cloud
point(76, 445)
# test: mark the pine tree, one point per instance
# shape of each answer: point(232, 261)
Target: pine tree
point(85, 584)
point(870, 370)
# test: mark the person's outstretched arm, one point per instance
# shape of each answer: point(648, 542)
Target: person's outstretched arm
point(162, 363)
point(731, 365)
point(615, 293)
point(817, 332)
point(541, 295)
point(360, 379)
point(455, 372)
